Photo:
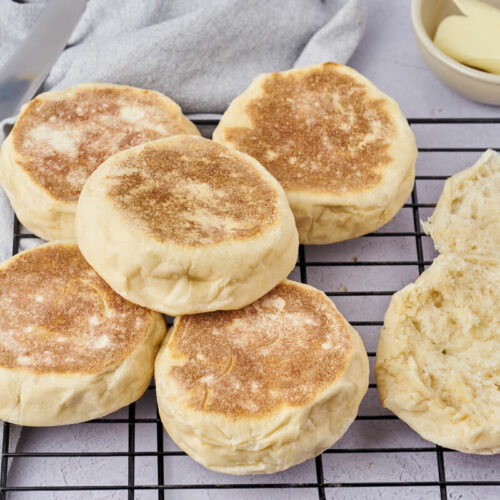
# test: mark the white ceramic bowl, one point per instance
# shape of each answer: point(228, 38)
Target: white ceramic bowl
point(472, 83)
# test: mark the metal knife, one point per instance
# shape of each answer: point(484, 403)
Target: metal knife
point(31, 62)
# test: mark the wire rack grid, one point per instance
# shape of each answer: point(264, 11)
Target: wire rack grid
point(324, 477)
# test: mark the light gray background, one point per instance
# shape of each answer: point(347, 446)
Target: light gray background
point(388, 56)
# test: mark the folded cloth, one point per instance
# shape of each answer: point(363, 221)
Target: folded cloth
point(201, 54)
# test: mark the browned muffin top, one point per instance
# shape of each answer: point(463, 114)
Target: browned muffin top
point(317, 131)
point(59, 316)
point(192, 191)
point(62, 137)
point(284, 349)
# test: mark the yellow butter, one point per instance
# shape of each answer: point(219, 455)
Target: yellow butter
point(472, 38)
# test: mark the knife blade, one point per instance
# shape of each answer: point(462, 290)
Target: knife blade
point(25, 71)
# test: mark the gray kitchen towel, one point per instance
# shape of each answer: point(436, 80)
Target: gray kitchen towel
point(200, 53)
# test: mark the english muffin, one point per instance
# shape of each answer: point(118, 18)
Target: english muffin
point(71, 349)
point(467, 216)
point(184, 225)
point(263, 388)
point(342, 150)
point(61, 137)
point(437, 365)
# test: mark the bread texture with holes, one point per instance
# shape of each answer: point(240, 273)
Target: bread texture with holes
point(342, 150)
point(71, 349)
point(61, 137)
point(258, 390)
point(467, 215)
point(184, 225)
point(437, 365)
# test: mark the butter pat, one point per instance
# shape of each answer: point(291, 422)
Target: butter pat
point(472, 38)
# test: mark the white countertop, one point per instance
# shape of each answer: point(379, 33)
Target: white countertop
point(388, 56)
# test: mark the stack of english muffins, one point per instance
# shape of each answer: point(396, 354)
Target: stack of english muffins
point(144, 216)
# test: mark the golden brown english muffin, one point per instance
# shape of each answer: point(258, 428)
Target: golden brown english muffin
point(266, 387)
point(71, 349)
point(342, 150)
point(61, 137)
point(184, 225)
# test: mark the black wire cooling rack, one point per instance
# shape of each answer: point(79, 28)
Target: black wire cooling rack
point(320, 487)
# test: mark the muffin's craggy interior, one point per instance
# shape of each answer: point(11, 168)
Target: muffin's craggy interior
point(453, 338)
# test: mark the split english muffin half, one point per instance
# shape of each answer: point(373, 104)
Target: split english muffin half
point(437, 365)
point(466, 218)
